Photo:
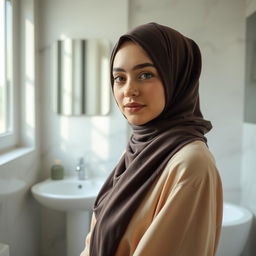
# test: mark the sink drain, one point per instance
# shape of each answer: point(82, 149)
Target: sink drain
point(80, 186)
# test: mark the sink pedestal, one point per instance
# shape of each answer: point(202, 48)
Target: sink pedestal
point(76, 198)
point(78, 224)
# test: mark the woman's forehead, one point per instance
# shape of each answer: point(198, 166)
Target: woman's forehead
point(130, 54)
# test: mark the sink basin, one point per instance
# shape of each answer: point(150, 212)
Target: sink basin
point(69, 194)
point(76, 197)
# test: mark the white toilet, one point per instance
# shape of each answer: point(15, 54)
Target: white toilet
point(4, 250)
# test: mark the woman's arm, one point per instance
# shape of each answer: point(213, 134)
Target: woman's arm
point(188, 223)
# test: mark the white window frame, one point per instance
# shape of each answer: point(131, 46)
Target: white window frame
point(8, 140)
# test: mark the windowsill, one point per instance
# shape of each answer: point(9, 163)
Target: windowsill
point(14, 154)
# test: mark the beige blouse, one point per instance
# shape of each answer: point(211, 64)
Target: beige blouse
point(181, 214)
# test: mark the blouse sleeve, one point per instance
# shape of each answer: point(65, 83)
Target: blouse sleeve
point(188, 216)
point(85, 252)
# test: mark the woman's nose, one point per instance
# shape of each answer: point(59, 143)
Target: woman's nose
point(131, 89)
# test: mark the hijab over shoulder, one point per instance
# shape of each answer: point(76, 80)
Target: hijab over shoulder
point(178, 61)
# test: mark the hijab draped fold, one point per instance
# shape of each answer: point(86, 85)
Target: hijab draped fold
point(151, 145)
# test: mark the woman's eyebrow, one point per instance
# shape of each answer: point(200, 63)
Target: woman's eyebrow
point(139, 66)
point(143, 65)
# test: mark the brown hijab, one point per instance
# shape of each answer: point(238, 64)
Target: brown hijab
point(151, 145)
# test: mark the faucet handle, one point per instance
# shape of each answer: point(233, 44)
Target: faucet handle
point(80, 165)
point(80, 168)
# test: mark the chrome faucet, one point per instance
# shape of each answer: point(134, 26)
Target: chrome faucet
point(80, 168)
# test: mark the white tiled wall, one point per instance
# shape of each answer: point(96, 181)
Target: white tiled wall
point(248, 179)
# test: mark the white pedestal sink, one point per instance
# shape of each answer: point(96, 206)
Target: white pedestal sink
point(76, 197)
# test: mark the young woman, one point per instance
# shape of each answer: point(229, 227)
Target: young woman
point(164, 197)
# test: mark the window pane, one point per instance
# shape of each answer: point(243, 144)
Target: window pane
point(2, 69)
point(9, 63)
point(5, 64)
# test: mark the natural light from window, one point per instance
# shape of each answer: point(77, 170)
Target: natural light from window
point(30, 88)
point(2, 70)
point(5, 66)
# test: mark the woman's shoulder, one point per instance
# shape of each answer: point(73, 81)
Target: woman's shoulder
point(194, 153)
point(194, 161)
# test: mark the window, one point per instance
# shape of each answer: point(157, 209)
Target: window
point(6, 78)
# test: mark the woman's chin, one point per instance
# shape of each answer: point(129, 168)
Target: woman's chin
point(138, 121)
point(133, 121)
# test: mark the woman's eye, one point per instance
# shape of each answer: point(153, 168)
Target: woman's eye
point(119, 79)
point(145, 75)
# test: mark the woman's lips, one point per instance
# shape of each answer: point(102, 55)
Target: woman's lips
point(134, 107)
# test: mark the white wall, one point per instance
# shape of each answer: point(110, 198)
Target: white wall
point(68, 138)
point(248, 180)
point(250, 7)
point(219, 29)
point(101, 140)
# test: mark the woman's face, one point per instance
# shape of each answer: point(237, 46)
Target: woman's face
point(137, 86)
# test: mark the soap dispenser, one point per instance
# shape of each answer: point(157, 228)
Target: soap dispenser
point(57, 170)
